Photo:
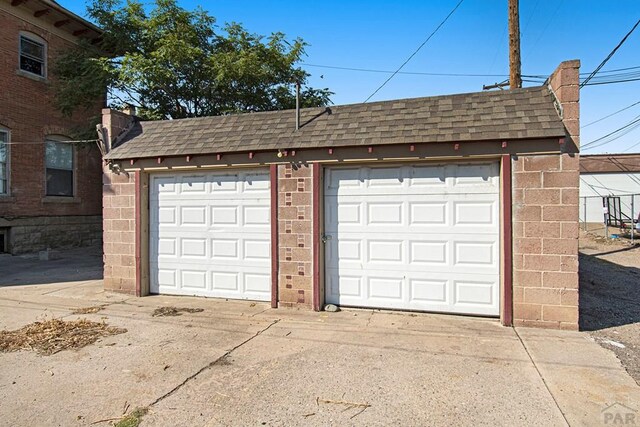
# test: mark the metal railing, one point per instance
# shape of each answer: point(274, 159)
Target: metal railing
point(616, 210)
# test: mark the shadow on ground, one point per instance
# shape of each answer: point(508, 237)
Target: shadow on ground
point(609, 292)
point(72, 265)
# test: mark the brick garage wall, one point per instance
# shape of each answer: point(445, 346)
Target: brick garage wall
point(119, 232)
point(545, 221)
point(295, 259)
point(27, 110)
point(545, 246)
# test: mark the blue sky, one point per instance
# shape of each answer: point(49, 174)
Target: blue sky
point(381, 35)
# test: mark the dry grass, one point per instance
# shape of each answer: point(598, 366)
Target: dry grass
point(174, 311)
point(51, 336)
point(88, 310)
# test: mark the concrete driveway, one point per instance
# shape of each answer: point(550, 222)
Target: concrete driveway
point(242, 363)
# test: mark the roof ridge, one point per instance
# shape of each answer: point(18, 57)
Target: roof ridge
point(356, 104)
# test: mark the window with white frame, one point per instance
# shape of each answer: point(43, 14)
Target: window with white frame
point(33, 55)
point(59, 167)
point(4, 161)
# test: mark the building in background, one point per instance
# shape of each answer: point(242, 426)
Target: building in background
point(50, 189)
point(604, 175)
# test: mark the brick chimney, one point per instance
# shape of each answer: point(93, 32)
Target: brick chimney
point(565, 85)
point(114, 125)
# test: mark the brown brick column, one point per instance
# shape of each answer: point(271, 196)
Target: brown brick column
point(545, 221)
point(119, 232)
point(295, 229)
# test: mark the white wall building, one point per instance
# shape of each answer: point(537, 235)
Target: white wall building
point(609, 175)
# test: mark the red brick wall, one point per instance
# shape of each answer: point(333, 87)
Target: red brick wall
point(27, 110)
point(545, 221)
point(119, 232)
point(295, 259)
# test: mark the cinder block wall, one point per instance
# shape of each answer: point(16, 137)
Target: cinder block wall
point(119, 232)
point(545, 221)
point(295, 227)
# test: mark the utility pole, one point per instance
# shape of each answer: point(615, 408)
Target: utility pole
point(515, 73)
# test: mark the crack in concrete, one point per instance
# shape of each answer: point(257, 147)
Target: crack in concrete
point(369, 319)
point(541, 377)
point(211, 364)
point(260, 312)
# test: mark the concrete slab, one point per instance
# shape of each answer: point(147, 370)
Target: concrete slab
point(241, 362)
point(409, 376)
point(135, 368)
point(583, 377)
point(72, 265)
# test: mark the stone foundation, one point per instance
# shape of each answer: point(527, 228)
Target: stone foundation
point(32, 234)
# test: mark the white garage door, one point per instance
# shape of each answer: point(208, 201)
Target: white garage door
point(413, 237)
point(210, 234)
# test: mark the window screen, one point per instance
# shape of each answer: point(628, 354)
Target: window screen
point(4, 157)
point(59, 168)
point(32, 56)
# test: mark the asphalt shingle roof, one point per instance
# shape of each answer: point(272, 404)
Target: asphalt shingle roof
point(482, 116)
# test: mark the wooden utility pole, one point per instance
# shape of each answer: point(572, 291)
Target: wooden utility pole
point(515, 73)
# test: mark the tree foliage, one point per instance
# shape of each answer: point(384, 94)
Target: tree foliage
point(175, 63)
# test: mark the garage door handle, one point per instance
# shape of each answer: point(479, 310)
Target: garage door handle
point(325, 237)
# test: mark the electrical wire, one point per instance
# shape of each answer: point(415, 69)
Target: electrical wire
point(44, 142)
point(535, 44)
point(414, 73)
point(416, 51)
point(614, 135)
point(610, 115)
point(633, 146)
point(615, 49)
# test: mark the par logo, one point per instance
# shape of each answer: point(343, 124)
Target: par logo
point(619, 415)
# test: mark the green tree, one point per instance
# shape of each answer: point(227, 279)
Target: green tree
point(174, 63)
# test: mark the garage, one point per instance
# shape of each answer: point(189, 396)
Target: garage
point(461, 204)
point(210, 234)
point(416, 237)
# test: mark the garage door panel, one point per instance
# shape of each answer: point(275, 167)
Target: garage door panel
point(224, 216)
point(457, 214)
point(225, 281)
point(193, 279)
point(424, 179)
point(193, 247)
point(210, 234)
point(474, 213)
point(385, 251)
point(414, 237)
point(256, 215)
point(429, 291)
point(474, 293)
point(430, 252)
point(442, 292)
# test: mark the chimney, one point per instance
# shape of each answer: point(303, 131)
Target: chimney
point(129, 109)
point(115, 124)
point(565, 85)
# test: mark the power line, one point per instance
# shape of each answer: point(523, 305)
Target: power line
point(633, 146)
point(614, 135)
point(612, 114)
point(535, 44)
point(612, 82)
point(66, 141)
point(415, 73)
point(610, 55)
point(532, 77)
point(415, 52)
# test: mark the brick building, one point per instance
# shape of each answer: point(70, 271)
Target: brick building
point(457, 204)
point(49, 188)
